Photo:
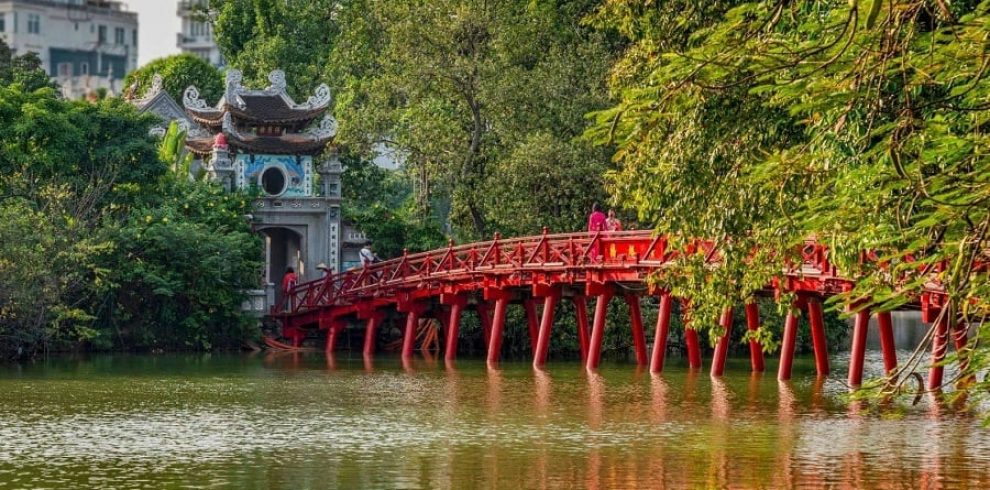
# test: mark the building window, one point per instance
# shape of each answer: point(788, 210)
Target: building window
point(102, 36)
point(119, 36)
point(34, 24)
point(3, 22)
point(84, 68)
point(134, 37)
point(64, 70)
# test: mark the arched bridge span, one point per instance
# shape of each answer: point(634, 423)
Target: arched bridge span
point(576, 266)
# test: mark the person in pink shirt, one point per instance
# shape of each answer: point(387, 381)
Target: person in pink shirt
point(597, 219)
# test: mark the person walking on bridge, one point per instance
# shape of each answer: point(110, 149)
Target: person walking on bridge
point(368, 255)
point(289, 281)
point(597, 219)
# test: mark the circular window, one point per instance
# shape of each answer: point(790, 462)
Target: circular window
point(273, 181)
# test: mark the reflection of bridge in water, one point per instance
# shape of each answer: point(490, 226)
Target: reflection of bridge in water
point(579, 266)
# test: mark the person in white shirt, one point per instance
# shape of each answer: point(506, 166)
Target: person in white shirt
point(367, 255)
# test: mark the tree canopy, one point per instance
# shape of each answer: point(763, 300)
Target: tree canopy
point(178, 72)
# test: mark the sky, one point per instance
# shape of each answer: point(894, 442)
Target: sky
point(157, 28)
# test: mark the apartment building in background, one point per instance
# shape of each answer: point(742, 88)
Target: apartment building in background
point(197, 32)
point(85, 45)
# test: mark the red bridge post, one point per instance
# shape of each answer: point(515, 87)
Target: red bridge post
point(817, 321)
point(501, 298)
point(550, 299)
point(722, 347)
point(662, 332)
point(788, 342)
point(598, 329)
point(413, 310)
point(887, 341)
point(457, 303)
point(581, 314)
point(940, 345)
point(857, 353)
point(636, 322)
point(374, 319)
point(690, 337)
point(755, 349)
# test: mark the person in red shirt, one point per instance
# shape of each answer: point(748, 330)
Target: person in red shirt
point(612, 223)
point(596, 221)
point(288, 283)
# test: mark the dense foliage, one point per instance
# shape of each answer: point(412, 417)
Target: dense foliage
point(859, 122)
point(178, 72)
point(99, 243)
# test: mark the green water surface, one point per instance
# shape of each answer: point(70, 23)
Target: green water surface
point(306, 421)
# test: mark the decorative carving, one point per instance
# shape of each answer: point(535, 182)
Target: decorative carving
point(320, 98)
point(326, 129)
point(157, 82)
point(234, 88)
point(277, 80)
point(157, 132)
point(190, 99)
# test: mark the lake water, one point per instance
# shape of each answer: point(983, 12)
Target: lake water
point(303, 421)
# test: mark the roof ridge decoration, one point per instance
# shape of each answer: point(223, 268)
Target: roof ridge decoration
point(325, 130)
point(234, 92)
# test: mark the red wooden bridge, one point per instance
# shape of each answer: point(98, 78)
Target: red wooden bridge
point(578, 266)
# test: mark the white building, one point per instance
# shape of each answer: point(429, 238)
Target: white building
point(197, 32)
point(84, 45)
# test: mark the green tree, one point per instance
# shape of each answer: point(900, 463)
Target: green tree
point(858, 122)
point(178, 72)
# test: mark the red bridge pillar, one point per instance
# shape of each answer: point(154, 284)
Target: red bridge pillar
point(413, 310)
point(501, 298)
point(887, 341)
point(598, 329)
point(858, 352)
point(374, 320)
point(457, 302)
point(662, 332)
point(788, 342)
point(940, 345)
point(817, 321)
point(690, 339)
point(581, 314)
point(551, 297)
point(722, 347)
point(636, 321)
point(755, 349)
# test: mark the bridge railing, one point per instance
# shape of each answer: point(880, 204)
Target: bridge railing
point(546, 252)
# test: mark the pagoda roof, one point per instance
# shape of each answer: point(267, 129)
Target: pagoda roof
point(271, 105)
point(309, 142)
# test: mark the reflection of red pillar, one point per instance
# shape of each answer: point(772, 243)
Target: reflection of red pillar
point(485, 315)
point(371, 333)
point(546, 324)
point(453, 330)
point(858, 352)
point(690, 339)
point(581, 312)
point(755, 349)
point(940, 345)
point(722, 347)
point(817, 321)
point(662, 332)
point(498, 326)
point(787, 345)
point(598, 330)
point(531, 322)
point(887, 341)
point(409, 338)
point(636, 322)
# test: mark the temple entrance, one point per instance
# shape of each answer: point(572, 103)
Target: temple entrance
point(283, 249)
